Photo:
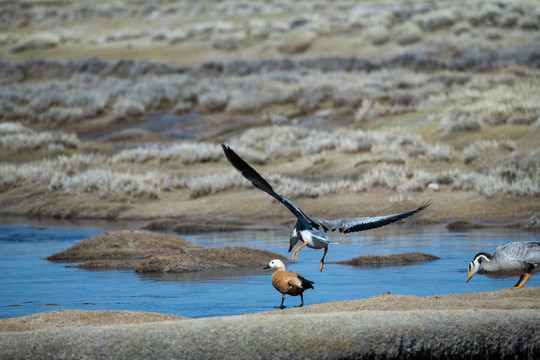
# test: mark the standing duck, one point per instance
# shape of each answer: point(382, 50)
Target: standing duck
point(288, 282)
point(312, 232)
point(516, 258)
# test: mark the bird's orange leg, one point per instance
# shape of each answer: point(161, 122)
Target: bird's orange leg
point(518, 285)
point(295, 254)
point(322, 260)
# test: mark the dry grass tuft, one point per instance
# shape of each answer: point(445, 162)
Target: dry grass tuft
point(477, 148)
point(483, 104)
point(14, 137)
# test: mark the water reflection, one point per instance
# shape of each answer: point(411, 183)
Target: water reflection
point(30, 284)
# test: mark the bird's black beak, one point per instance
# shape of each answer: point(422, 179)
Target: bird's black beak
point(266, 267)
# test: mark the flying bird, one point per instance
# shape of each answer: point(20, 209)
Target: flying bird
point(516, 258)
point(288, 282)
point(310, 231)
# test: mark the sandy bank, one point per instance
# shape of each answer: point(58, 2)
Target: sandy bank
point(78, 318)
point(491, 325)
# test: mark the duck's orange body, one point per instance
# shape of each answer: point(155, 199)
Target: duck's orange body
point(288, 282)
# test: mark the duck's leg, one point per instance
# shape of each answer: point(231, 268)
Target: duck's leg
point(301, 301)
point(295, 254)
point(282, 300)
point(322, 260)
point(518, 285)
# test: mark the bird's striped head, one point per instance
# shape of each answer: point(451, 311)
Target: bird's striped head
point(474, 265)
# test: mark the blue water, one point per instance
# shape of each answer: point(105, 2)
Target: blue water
point(30, 284)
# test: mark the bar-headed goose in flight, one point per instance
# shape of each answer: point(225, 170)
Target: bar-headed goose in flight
point(516, 258)
point(288, 282)
point(312, 232)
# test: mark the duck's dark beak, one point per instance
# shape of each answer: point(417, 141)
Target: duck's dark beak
point(266, 267)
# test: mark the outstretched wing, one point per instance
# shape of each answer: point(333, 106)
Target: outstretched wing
point(348, 225)
point(258, 181)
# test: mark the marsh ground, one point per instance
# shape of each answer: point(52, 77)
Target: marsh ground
point(117, 110)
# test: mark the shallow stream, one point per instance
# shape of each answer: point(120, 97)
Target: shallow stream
point(30, 284)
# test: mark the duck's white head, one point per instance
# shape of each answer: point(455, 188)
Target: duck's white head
point(474, 266)
point(275, 264)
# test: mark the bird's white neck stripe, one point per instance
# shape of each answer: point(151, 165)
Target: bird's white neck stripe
point(484, 257)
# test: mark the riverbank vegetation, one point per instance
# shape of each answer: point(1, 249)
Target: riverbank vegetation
point(325, 100)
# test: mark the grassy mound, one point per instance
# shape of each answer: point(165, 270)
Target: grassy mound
point(391, 260)
point(149, 252)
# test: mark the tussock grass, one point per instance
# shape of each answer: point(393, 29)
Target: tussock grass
point(186, 153)
point(278, 141)
point(407, 33)
point(260, 21)
point(213, 183)
point(372, 110)
point(246, 87)
point(389, 159)
point(16, 138)
point(439, 152)
point(482, 104)
point(391, 170)
point(12, 128)
point(109, 185)
point(477, 148)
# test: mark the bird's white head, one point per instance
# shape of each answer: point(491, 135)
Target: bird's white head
point(474, 266)
point(275, 264)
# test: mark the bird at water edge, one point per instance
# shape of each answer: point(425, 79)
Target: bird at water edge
point(288, 282)
point(516, 258)
point(310, 231)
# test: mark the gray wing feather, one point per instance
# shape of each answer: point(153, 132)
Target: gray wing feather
point(348, 225)
point(260, 183)
point(528, 251)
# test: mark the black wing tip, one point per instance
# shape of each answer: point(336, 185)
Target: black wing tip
point(228, 151)
point(425, 204)
point(384, 222)
point(236, 161)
